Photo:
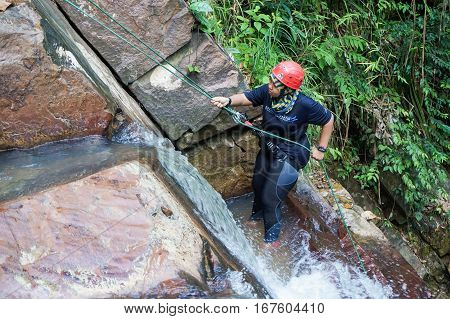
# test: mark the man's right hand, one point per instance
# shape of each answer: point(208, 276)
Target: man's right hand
point(220, 101)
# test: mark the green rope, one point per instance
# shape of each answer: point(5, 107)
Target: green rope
point(202, 91)
point(134, 46)
point(159, 55)
point(341, 214)
point(361, 263)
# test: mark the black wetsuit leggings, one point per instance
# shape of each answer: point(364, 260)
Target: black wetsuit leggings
point(272, 180)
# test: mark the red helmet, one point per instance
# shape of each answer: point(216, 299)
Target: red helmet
point(289, 73)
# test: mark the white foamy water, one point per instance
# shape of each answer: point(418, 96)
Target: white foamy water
point(289, 272)
point(293, 271)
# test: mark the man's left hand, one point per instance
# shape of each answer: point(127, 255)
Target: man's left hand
point(317, 155)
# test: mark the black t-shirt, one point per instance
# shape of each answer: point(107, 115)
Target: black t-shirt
point(291, 125)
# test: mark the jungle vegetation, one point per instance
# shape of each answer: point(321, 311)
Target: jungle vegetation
point(381, 66)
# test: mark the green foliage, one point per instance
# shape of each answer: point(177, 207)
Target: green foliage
point(368, 175)
point(193, 69)
point(381, 66)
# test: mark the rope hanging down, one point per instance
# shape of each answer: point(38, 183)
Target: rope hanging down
point(238, 117)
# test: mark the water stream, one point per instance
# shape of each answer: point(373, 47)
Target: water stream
point(294, 270)
point(291, 271)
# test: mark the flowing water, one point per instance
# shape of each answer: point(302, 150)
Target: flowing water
point(293, 270)
point(26, 171)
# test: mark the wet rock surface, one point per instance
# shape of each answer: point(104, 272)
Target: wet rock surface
point(23, 172)
point(383, 257)
point(39, 100)
point(175, 105)
point(164, 25)
point(100, 236)
point(412, 240)
point(82, 203)
point(381, 260)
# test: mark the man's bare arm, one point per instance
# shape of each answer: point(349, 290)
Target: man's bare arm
point(236, 100)
point(325, 136)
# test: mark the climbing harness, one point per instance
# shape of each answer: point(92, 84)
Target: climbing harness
point(237, 117)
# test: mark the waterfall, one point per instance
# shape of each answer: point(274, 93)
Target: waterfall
point(309, 277)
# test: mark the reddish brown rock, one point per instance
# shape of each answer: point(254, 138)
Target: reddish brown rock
point(381, 260)
point(101, 236)
point(227, 162)
point(40, 101)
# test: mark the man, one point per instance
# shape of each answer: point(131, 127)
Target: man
point(286, 113)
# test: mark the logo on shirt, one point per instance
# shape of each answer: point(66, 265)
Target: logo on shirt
point(281, 117)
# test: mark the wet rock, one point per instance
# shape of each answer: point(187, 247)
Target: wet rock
point(379, 256)
point(23, 172)
point(131, 132)
point(108, 245)
point(386, 264)
point(380, 259)
point(175, 105)
point(397, 240)
point(39, 100)
point(163, 25)
point(227, 162)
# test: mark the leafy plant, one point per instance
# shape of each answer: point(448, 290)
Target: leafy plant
point(193, 68)
point(381, 66)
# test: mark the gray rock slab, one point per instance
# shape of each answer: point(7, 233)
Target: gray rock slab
point(165, 25)
point(174, 104)
point(91, 64)
point(220, 124)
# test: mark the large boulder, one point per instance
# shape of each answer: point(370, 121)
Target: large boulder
point(61, 37)
point(435, 231)
point(164, 25)
point(176, 106)
point(227, 162)
point(39, 100)
point(129, 238)
point(220, 124)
